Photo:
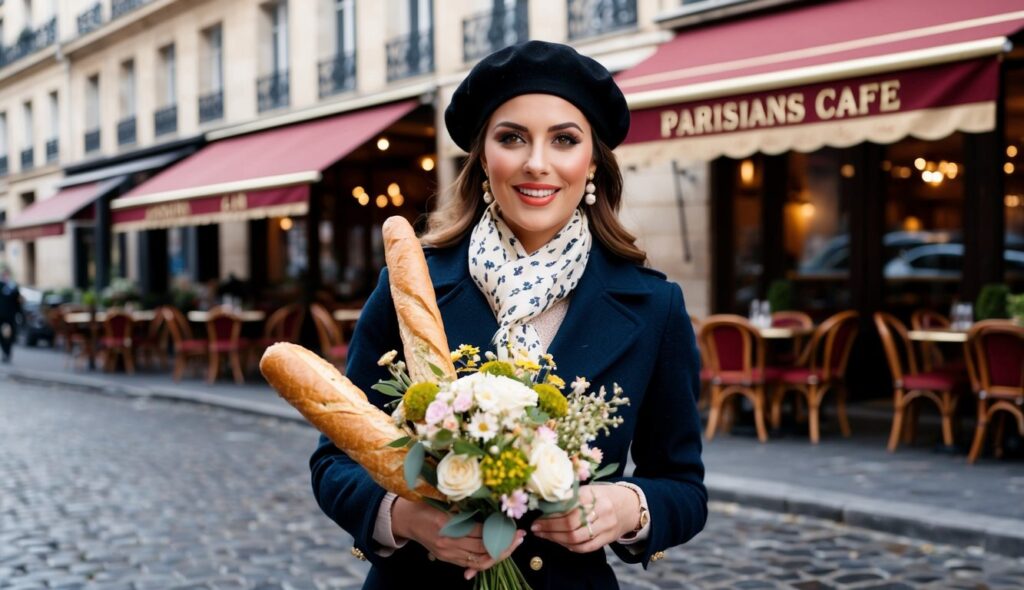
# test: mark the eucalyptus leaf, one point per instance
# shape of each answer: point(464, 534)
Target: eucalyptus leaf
point(459, 525)
point(400, 442)
point(480, 493)
point(443, 438)
point(499, 531)
point(414, 464)
point(462, 447)
point(436, 370)
point(386, 389)
point(439, 505)
point(604, 471)
point(429, 473)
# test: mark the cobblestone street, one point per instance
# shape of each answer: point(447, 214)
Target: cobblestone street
point(107, 492)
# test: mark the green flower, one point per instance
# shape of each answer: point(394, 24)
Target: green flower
point(417, 398)
point(499, 368)
point(550, 400)
point(506, 472)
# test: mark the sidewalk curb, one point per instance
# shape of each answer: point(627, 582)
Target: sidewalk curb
point(940, 525)
point(154, 392)
point(999, 535)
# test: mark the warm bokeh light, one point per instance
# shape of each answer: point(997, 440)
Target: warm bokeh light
point(397, 200)
point(952, 170)
point(807, 210)
point(286, 223)
point(886, 165)
point(393, 189)
point(847, 170)
point(1011, 151)
point(358, 191)
point(912, 224)
point(427, 163)
point(905, 172)
point(1008, 168)
point(1012, 200)
point(383, 144)
point(382, 201)
point(747, 171)
point(364, 199)
point(920, 163)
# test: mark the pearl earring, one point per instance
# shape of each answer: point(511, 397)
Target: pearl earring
point(590, 198)
point(488, 197)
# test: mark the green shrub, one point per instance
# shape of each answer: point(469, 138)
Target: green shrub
point(780, 295)
point(992, 302)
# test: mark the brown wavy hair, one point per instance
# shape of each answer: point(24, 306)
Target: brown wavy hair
point(463, 205)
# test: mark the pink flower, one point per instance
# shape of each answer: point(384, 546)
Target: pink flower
point(582, 469)
point(592, 453)
point(463, 402)
point(547, 435)
point(514, 505)
point(437, 411)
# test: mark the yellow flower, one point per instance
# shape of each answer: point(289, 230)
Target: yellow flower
point(417, 398)
point(387, 358)
point(551, 401)
point(500, 368)
point(527, 364)
point(556, 381)
point(506, 472)
point(467, 350)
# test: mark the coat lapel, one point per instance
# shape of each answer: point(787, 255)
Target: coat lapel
point(598, 328)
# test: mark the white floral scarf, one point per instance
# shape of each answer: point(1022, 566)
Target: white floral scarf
point(521, 286)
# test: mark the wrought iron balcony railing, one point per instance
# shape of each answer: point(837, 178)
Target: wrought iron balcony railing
point(29, 42)
point(487, 32)
point(28, 159)
point(411, 55)
point(272, 91)
point(119, 8)
point(126, 131)
point(92, 140)
point(165, 120)
point(211, 106)
point(91, 19)
point(337, 74)
point(52, 150)
point(3, 165)
point(590, 18)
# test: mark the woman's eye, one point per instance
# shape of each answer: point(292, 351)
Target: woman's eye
point(566, 139)
point(511, 138)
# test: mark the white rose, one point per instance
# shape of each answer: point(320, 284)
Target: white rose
point(501, 395)
point(458, 476)
point(553, 474)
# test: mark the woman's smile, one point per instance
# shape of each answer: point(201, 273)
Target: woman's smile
point(536, 195)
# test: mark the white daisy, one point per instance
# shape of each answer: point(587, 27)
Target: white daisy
point(483, 426)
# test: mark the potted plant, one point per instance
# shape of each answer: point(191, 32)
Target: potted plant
point(780, 295)
point(992, 302)
point(1015, 307)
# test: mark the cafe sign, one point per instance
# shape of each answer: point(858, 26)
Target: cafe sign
point(206, 209)
point(893, 104)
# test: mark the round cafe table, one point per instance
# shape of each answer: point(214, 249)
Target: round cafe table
point(938, 335)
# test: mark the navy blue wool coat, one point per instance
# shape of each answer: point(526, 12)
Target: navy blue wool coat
point(625, 324)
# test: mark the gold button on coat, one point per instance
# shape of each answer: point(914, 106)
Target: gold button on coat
point(358, 554)
point(658, 555)
point(536, 563)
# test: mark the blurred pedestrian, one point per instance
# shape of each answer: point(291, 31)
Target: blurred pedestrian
point(10, 307)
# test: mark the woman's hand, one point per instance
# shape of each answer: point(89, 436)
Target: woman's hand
point(422, 523)
point(611, 512)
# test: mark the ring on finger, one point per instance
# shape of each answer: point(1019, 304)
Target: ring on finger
point(590, 529)
point(470, 558)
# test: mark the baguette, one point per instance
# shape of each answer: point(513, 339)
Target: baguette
point(333, 404)
point(419, 319)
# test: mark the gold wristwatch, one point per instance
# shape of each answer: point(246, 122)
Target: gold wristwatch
point(645, 518)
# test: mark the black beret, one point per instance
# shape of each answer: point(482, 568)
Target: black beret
point(538, 67)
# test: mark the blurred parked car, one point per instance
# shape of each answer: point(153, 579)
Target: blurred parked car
point(833, 260)
point(33, 323)
point(942, 262)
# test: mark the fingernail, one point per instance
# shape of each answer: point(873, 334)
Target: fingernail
point(535, 528)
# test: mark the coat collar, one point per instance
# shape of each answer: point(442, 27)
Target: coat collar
point(598, 327)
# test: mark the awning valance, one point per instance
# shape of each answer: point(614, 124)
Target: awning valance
point(833, 74)
point(263, 174)
point(47, 217)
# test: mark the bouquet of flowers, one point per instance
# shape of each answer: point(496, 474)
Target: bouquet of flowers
point(498, 441)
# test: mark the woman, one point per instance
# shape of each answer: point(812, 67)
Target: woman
point(528, 251)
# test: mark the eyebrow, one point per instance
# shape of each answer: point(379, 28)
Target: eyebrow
point(558, 127)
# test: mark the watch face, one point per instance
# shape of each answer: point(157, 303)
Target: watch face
point(645, 517)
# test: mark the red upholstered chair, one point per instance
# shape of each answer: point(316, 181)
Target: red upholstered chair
point(736, 354)
point(332, 341)
point(820, 370)
point(284, 325)
point(995, 363)
point(910, 384)
point(791, 319)
point(116, 341)
point(150, 340)
point(224, 332)
point(705, 372)
point(184, 344)
point(931, 355)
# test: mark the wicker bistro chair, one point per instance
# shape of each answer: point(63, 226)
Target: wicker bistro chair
point(150, 341)
point(931, 354)
point(910, 384)
point(791, 319)
point(116, 341)
point(736, 354)
point(995, 363)
point(284, 325)
point(705, 372)
point(332, 341)
point(224, 332)
point(820, 369)
point(184, 344)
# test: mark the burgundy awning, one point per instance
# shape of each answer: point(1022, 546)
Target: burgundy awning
point(836, 74)
point(48, 216)
point(263, 174)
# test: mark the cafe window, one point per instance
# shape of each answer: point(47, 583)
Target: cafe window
point(923, 242)
point(1013, 168)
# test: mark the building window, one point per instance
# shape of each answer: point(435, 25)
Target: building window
point(167, 80)
point(28, 159)
point(338, 72)
point(3, 144)
point(52, 141)
point(91, 19)
point(272, 89)
point(410, 46)
point(126, 125)
point(211, 75)
point(590, 18)
point(502, 23)
point(92, 113)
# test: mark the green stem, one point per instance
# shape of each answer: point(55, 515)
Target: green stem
point(504, 575)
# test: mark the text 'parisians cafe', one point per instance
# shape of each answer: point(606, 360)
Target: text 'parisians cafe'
point(863, 154)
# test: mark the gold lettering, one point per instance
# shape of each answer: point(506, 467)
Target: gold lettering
point(757, 116)
point(669, 120)
point(234, 202)
point(730, 119)
point(167, 211)
point(795, 108)
point(824, 112)
point(776, 109)
point(890, 98)
point(868, 95)
point(702, 119)
point(685, 123)
point(847, 103)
